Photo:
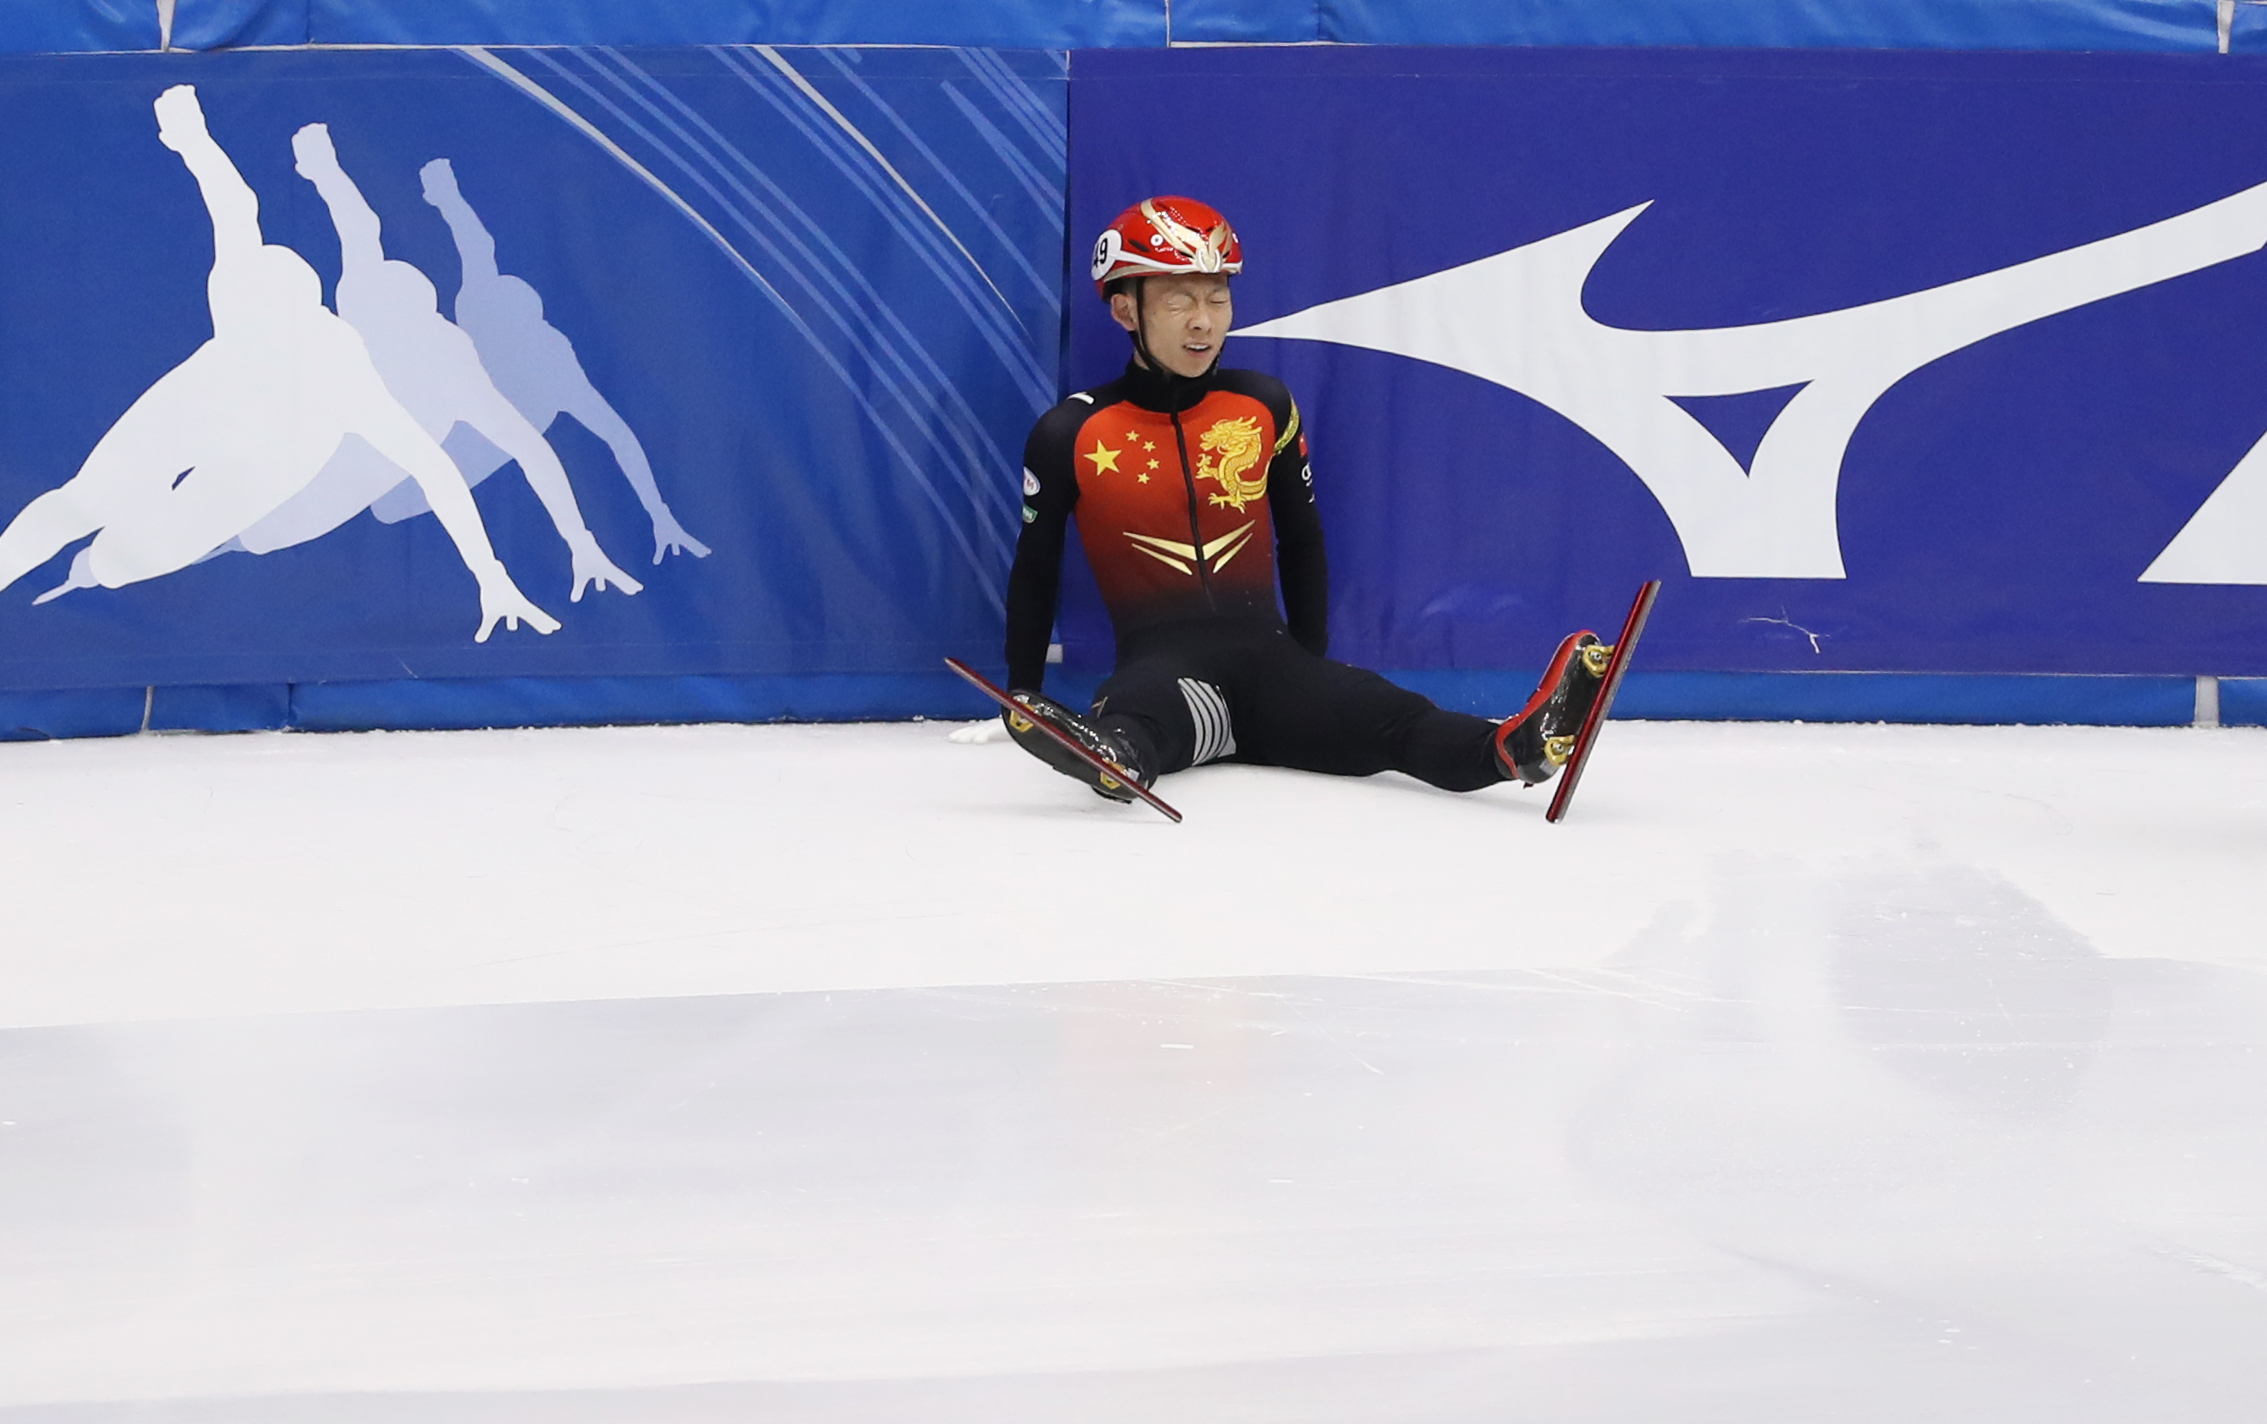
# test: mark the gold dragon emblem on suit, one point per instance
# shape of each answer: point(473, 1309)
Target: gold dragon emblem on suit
point(1238, 446)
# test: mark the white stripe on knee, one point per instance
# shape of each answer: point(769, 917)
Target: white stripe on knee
point(1215, 738)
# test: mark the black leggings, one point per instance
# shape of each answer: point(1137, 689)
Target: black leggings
point(1232, 691)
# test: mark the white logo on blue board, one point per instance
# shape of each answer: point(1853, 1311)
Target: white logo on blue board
point(1516, 319)
point(534, 365)
point(291, 420)
point(432, 369)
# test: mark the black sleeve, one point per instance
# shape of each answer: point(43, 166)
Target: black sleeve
point(1050, 489)
point(1300, 560)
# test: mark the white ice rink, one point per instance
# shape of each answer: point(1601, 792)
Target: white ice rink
point(804, 1074)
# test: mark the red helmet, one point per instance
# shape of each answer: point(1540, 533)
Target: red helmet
point(1165, 235)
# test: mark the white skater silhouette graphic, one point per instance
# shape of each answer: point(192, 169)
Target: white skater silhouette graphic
point(534, 365)
point(432, 369)
point(245, 423)
point(1517, 319)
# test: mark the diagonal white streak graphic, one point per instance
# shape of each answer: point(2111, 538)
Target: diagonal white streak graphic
point(989, 578)
point(1516, 319)
point(615, 151)
point(810, 91)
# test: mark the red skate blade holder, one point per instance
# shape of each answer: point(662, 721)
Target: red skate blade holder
point(1633, 627)
point(1103, 765)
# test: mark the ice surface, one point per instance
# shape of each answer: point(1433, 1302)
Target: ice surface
point(850, 1073)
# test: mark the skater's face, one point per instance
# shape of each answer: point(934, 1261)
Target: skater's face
point(1183, 317)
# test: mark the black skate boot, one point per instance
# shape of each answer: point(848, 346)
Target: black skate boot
point(1099, 740)
point(1536, 743)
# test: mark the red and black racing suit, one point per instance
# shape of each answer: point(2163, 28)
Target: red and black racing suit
point(1190, 495)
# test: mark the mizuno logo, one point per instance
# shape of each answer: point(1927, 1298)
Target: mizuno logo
point(1185, 557)
point(1518, 319)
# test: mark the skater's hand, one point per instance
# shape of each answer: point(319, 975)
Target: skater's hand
point(502, 602)
point(440, 182)
point(180, 118)
point(593, 567)
point(669, 537)
point(312, 146)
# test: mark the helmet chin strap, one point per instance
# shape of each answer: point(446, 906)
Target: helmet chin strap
point(1140, 332)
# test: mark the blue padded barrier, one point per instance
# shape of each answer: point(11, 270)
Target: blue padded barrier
point(1651, 696)
point(52, 26)
point(121, 711)
point(71, 712)
point(1021, 24)
point(2247, 28)
point(2243, 701)
point(458, 703)
point(76, 26)
point(230, 24)
point(1980, 699)
point(1983, 699)
point(1767, 24)
point(241, 707)
point(608, 665)
point(1251, 21)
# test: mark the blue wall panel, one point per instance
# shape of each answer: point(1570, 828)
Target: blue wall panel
point(1542, 320)
point(821, 287)
point(780, 317)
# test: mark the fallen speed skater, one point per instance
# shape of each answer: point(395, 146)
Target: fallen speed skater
point(1195, 505)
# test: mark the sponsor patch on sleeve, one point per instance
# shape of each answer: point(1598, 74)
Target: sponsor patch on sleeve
point(1030, 483)
point(1029, 514)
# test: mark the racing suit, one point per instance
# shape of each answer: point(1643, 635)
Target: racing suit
point(1194, 500)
